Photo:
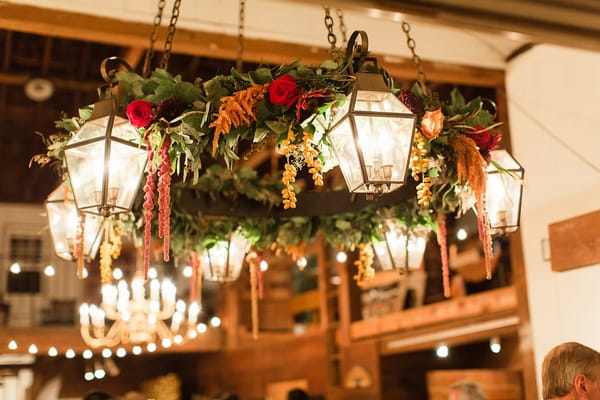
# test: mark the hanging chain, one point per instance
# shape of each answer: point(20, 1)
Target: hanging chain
point(410, 42)
point(340, 14)
point(330, 35)
point(240, 42)
point(153, 36)
point(164, 62)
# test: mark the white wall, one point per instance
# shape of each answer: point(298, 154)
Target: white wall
point(26, 220)
point(554, 91)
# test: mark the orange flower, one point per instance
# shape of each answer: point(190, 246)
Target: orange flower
point(432, 123)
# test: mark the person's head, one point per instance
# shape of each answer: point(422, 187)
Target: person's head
point(571, 369)
point(98, 396)
point(466, 390)
point(297, 394)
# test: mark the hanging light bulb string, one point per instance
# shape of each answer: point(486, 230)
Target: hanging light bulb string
point(410, 42)
point(164, 62)
point(240, 39)
point(153, 37)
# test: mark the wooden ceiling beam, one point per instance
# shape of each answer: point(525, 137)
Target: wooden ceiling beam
point(70, 84)
point(207, 44)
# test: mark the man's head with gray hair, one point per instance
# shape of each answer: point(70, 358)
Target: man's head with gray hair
point(466, 390)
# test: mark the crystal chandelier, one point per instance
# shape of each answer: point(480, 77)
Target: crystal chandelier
point(137, 318)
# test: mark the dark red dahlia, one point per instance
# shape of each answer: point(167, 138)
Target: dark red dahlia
point(411, 101)
point(170, 109)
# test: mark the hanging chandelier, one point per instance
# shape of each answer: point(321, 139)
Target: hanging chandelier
point(403, 248)
point(68, 226)
point(223, 262)
point(138, 318)
point(372, 134)
point(504, 192)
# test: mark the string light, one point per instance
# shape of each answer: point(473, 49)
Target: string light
point(264, 265)
point(215, 321)
point(106, 353)
point(15, 268)
point(70, 353)
point(49, 270)
point(461, 234)
point(187, 271)
point(87, 354)
point(201, 327)
point(12, 345)
point(151, 347)
point(495, 346)
point(117, 274)
point(33, 349)
point(52, 352)
point(341, 257)
point(136, 350)
point(121, 352)
point(442, 351)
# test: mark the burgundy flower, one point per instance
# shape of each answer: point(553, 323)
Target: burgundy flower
point(170, 109)
point(411, 101)
point(139, 113)
point(283, 91)
point(485, 140)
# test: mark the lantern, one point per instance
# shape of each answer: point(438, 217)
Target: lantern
point(403, 248)
point(105, 162)
point(64, 222)
point(372, 133)
point(504, 192)
point(223, 261)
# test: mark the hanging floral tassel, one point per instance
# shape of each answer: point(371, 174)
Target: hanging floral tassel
point(252, 260)
point(442, 238)
point(164, 197)
point(364, 264)
point(106, 252)
point(148, 207)
point(485, 236)
point(78, 251)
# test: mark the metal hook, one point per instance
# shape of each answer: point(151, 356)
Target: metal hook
point(110, 75)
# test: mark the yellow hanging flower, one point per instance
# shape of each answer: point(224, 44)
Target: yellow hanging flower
point(364, 263)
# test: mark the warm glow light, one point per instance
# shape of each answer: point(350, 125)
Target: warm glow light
point(70, 353)
point(152, 273)
point(201, 327)
point(117, 274)
point(106, 353)
point(84, 273)
point(302, 263)
point(151, 347)
point(12, 345)
point(121, 352)
point(88, 376)
point(15, 268)
point(178, 339)
point(341, 257)
point(215, 321)
point(99, 373)
point(52, 352)
point(136, 350)
point(264, 265)
point(33, 349)
point(187, 271)
point(442, 351)
point(335, 280)
point(49, 270)
point(193, 334)
point(166, 343)
point(495, 346)
point(87, 354)
point(461, 234)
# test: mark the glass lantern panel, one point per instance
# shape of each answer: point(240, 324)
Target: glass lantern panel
point(402, 249)
point(63, 222)
point(385, 143)
point(126, 166)
point(376, 101)
point(122, 129)
point(223, 262)
point(342, 141)
point(342, 111)
point(92, 235)
point(503, 195)
point(92, 129)
point(86, 167)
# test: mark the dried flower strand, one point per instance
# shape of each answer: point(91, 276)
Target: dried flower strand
point(364, 264)
point(312, 160)
point(424, 193)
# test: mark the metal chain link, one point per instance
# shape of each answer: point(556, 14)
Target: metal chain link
point(164, 62)
point(410, 42)
point(340, 14)
point(153, 36)
point(240, 42)
point(331, 39)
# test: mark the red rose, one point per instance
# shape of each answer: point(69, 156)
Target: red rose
point(139, 113)
point(283, 91)
point(485, 140)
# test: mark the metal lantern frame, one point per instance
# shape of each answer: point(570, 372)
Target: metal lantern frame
point(509, 177)
point(408, 237)
point(229, 272)
point(60, 208)
point(372, 182)
point(107, 200)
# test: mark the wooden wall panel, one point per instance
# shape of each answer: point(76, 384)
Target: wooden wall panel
point(575, 242)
